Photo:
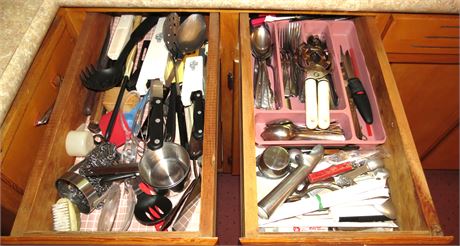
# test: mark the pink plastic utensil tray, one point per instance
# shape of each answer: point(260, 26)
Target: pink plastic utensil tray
point(336, 34)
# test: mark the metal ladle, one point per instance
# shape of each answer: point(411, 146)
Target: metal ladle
point(262, 49)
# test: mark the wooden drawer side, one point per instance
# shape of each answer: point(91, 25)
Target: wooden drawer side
point(248, 167)
point(52, 159)
point(409, 188)
point(211, 132)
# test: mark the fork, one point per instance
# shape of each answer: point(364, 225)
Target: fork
point(294, 42)
point(290, 39)
point(285, 62)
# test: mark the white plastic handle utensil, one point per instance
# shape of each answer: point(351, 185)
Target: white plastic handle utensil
point(311, 104)
point(193, 81)
point(155, 61)
point(324, 119)
point(193, 78)
point(120, 36)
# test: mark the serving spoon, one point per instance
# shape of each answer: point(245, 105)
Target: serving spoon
point(283, 132)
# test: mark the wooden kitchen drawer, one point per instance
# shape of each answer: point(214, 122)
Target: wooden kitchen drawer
point(422, 34)
point(33, 224)
point(416, 215)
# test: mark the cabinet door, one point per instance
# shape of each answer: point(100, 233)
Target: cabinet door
point(429, 93)
point(445, 155)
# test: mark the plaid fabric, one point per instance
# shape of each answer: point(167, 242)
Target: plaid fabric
point(183, 221)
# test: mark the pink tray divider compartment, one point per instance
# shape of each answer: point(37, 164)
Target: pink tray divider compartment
point(336, 34)
point(298, 118)
point(274, 68)
point(344, 34)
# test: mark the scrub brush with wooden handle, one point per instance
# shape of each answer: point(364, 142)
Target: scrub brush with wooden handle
point(66, 216)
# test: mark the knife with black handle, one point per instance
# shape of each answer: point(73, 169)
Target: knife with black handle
point(361, 99)
point(357, 91)
point(155, 126)
point(196, 139)
point(198, 114)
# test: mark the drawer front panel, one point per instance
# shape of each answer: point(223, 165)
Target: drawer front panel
point(425, 34)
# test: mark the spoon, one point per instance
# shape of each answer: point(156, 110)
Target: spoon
point(333, 127)
point(261, 44)
point(387, 209)
point(286, 123)
point(281, 132)
point(191, 34)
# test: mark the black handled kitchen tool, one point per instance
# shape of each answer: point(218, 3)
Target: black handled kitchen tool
point(140, 60)
point(104, 79)
point(195, 147)
point(101, 63)
point(112, 170)
point(356, 88)
point(156, 115)
point(108, 132)
point(198, 114)
point(170, 132)
point(150, 209)
point(195, 151)
point(181, 122)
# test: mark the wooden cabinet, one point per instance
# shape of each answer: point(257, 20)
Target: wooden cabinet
point(429, 93)
point(21, 137)
point(423, 51)
point(229, 121)
point(422, 34)
point(416, 215)
point(229, 93)
point(33, 223)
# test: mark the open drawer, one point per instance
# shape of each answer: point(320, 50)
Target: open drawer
point(34, 225)
point(416, 215)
